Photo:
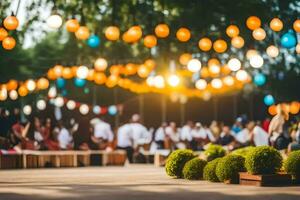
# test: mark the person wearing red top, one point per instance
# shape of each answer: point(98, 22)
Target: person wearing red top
point(266, 123)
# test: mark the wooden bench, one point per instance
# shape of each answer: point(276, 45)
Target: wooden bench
point(10, 161)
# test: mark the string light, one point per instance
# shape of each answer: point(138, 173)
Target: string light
point(194, 65)
point(173, 80)
point(84, 109)
point(216, 83)
point(54, 21)
point(71, 105)
point(201, 84)
point(256, 61)
point(234, 64)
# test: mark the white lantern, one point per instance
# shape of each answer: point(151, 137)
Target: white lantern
point(3, 94)
point(194, 65)
point(159, 81)
point(100, 64)
point(71, 105)
point(13, 95)
point(256, 61)
point(201, 84)
point(41, 104)
point(96, 110)
point(272, 51)
point(228, 80)
point(234, 64)
point(173, 80)
point(82, 72)
point(59, 102)
point(52, 92)
point(84, 109)
point(250, 53)
point(54, 21)
point(150, 81)
point(241, 75)
point(27, 110)
point(216, 83)
point(259, 34)
point(31, 85)
point(214, 69)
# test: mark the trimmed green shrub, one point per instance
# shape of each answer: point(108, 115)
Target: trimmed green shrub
point(209, 171)
point(176, 161)
point(193, 169)
point(214, 151)
point(263, 160)
point(228, 168)
point(292, 164)
point(242, 151)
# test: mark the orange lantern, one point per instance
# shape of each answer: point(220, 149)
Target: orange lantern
point(225, 70)
point(12, 85)
point(67, 73)
point(126, 37)
point(130, 69)
point(112, 33)
point(3, 33)
point(74, 70)
point(253, 22)
point(296, 25)
point(272, 110)
point(294, 107)
point(220, 46)
point(58, 69)
point(143, 71)
point(100, 64)
point(8, 43)
point(134, 33)
point(276, 24)
point(82, 33)
point(90, 76)
point(213, 61)
point(232, 31)
point(99, 78)
point(259, 34)
point(112, 81)
point(150, 63)
point(51, 75)
point(42, 84)
point(204, 72)
point(11, 23)
point(162, 30)
point(23, 91)
point(185, 58)
point(72, 25)
point(237, 42)
point(205, 44)
point(150, 41)
point(183, 34)
point(115, 69)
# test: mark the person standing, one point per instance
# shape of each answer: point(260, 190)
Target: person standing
point(102, 134)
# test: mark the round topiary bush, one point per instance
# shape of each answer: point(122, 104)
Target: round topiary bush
point(228, 168)
point(193, 169)
point(214, 151)
point(209, 171)
point(263, 160)
point(242, 151)
point(292, 164)
point(176, 161)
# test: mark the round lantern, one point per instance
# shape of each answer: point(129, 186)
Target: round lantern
point(23, 91)
point(269, 100)
point(96, 110)
point(12, 85)
point(173, 80)
point(204, 73)
point(59, 102)
point(183, 34)
point(272, 51)
point(253, 22)
point(54, 21)
point(201, 84)
point(294, 107)
point(259, 79)
point(52, 92)
point(93, 41)
point(298, 48)
point(79, 82)
point(61, 83)
point(296, 25)
point(84, 109)
point(242, 75)
point(3, 94)
point(185, 58)
point(41, 104)
point(232, 31)
point(143, 71)
point(82, 33)
point(272, 110)
point(8, 43)
point(159, 82)
point(71, 105)
point(205, 44)
point(100, 64)
point(150, 41)
point(234, 64)
point(194, 65)
point(237, 42)
point(112, 33)
point(228, 80)
point(250, 53)
point(220, 46)
point(112, 110)
point(82, 72)
point(276, 24)
point(134, 33)
point(150, 63)
point(288, 40)
point(30, 84)
point(162, 30)
point(27, 110)
point(256, 61)
point(99, 78)
point(42, 84)
point(3, 33)
point(216, 83)
point(58, 69)
point(11, 23)
point(259, 34)
point(67, 73)
point(72, 25)
point(130, 69)
point(13, 95)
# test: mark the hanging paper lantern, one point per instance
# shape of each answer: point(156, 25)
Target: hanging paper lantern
point(250, 53)
point(204, 72)
point(99, 78)
point(130, 69)
point(112, 110)
point(201, 84)
point(72, 25)
point(256, 61)
point(296, 25)
point(259, 79)
point(112, 33)
point(288, 40)
point(173, 80)
point(253, 22)
point(31, 85)
point(82, 72)
point(71, 105)
point(13, 94)
point(100, 64)
point(276, 24)
point(90, 76)
point(143, 71)
point(150, 41)
point(259, 34)
point(41, 104)
point(232, 31)
point(214, 69)
point(298, 48)
point(242, 75)
point(216, 83)
point(159, 82)
point(54, 21)
point(183, 34)
point(79, 82)
point(228, 80)
point(42, 84)
point(112, 81)
point(52, 92)
point(272, 51)
point(269, 100)
point(3, 33)
point(234, 64)
point(51, 74)
point(96, 110)
point(194, 65)
point(162, 30)
point(8, 43)
point(93, 41)
point(220, 46)
point(12, 85)
point(213, 61)
point(67, 73)
point(58, 69)
point(134, 33)
point(60, 83)
point(237, 42)
point(82, 33)
point(205, 44)
point(3, 94)
point(27, 110)
point(294, 107)
point(272, 110)
point(150, 63)
point(185, 58)
point(11, 23)
point(59, 102)
point(84, 109)
point(225, 69)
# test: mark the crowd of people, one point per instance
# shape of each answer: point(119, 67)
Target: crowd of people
point(133, 136)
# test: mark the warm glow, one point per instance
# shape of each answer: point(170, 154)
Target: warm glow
point(41, 104)
point(52, 92)
point(250, 53)
point(241, 75)
point(71, 105)
point(27, 110)
point(13, 95)
point(259, 34)
point(234, 64)
point(59, 101)
point(84, 109)
point(201, 84)
point(216, 83)
point(82, 72)
point(31, 85)
point(194, 65)
point(228, 80)
point(159, 81)
point(173, 80)
point(100, 64)
point(256, 61)
point(272, 51)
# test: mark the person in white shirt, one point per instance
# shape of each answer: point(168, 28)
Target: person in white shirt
point(260, 136)
point(186, 133)
point(102, 134)
point(125, 140)
point(140, 133)
point(200, 137)
point(160, 135)
point(173, 137)
point(65, 139)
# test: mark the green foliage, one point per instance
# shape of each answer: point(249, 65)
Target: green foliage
point(243, 151)
point(292, 164)
point(209, 171)
point(176, 162)
point(193, 169)
point(214, 151)
point(228, 167)
point(263, 160)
